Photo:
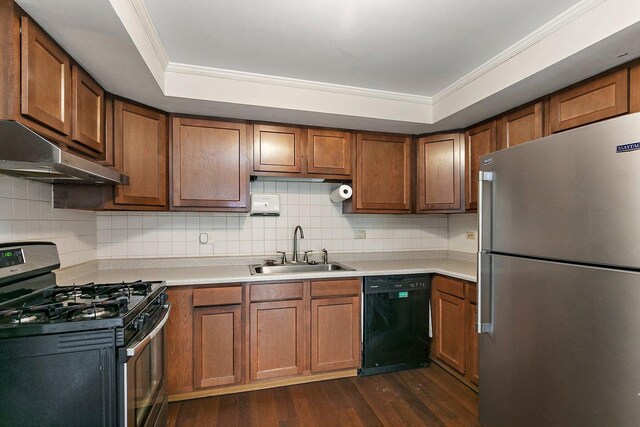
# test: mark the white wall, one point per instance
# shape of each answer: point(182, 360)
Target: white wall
point(458, 227)
point(26, 213)
point(172, 234)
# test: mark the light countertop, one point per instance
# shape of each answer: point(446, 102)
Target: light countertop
point(176, 275)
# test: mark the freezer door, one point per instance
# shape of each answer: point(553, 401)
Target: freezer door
point(572, 196)
point(564, 348)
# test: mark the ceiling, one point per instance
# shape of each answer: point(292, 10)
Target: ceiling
point(411, 66)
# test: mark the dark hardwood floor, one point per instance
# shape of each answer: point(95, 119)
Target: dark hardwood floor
point(418, 397)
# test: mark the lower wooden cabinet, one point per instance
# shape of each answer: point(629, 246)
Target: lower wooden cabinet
point(276, 339)
point(223, 338)
point(217, 346)
point(455, 310)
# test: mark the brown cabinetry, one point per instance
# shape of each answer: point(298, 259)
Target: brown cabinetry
point(439, 166)
point(141, 151)
point(179, 341)
point(277, 149)
point(479, 140)
point(335, 325)
point(329, 153)
point(87, 113)
point(518, 127)
point(382, 182)
point(634, 88)
point(455, 309)
point(46, 79)
point(596, 99)
point(209, 165)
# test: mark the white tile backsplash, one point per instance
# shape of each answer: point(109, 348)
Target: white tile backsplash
point(26, 214)
point(176, 234)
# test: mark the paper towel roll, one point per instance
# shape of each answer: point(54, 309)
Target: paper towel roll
point(341, 193)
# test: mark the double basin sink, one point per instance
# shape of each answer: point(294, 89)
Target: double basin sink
point(301, 267)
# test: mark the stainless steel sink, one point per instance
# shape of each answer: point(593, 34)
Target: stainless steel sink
point(297, 268)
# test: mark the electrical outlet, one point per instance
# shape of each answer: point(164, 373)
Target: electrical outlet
point(471, 235)
point(204, 238)
point(360, 234)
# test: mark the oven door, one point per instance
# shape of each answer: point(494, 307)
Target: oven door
point(143, 389)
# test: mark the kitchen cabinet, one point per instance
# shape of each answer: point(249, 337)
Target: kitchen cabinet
point(87, 110)
point(209, 165)
point(46, 79)
point(440, 165)
point(634, 88)
point(179, 340)
point(276, 332)
point(217, 336)
point(479, 140)
point(520, 126)
point(382, 183)
point(335, 325)
point(596, 99)
point(455, 310)
point(329, 153)
point(141, 152)
point(277, 149)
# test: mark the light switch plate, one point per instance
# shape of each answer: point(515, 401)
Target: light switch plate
point(359, 234)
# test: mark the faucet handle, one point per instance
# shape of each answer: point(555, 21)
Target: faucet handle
point(325, 256)
point(284, 256)
point(306, 256)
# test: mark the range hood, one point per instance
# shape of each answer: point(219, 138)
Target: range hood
point(25, 154)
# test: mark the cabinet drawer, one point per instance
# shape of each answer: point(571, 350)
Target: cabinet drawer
point(473, 292)
point(225, 295)
point(449, 286)
point(276, 291)
point(328, 288)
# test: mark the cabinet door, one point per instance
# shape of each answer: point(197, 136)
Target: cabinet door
point(217, 346)
point(87, 113)
point(276, 149)
point(480, 140)
point(140, 146)
point(472, 344)
point(276, 339)
point(46, 79)
point(597, 99)
point(335, 334)
point(329, 152)
point(439, 173)
point(634, 89)
point(450, 315)
point(383, 173)
point(209, 164)
point(520, 126)
point(179, 341)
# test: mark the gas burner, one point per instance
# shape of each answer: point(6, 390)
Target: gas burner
point(91, 313)
point(28, 318)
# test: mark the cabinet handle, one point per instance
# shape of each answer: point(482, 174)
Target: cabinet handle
point(485, 263)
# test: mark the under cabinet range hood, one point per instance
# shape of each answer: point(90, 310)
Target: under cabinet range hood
point(25, 154)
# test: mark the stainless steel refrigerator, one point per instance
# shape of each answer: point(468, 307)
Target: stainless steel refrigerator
point(559, 279)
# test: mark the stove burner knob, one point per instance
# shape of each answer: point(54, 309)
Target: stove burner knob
point(138, 324)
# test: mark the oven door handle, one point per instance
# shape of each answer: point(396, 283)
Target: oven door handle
point(131, 351)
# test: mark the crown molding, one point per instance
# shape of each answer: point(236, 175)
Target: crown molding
point(544, 31)
point(147, 24)
point(219, 73)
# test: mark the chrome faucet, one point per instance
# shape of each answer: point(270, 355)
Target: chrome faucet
point(295, 242)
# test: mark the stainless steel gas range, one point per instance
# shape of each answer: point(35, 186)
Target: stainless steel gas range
point(90, 355)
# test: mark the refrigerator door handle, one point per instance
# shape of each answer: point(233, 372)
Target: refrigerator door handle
point(485, 293)
point(485, 190)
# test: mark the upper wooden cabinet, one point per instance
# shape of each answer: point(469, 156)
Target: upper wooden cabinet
point(276, 149)
point(518, 127)
point(46, 79)
point(87, 113)
point(596, 99)
point(383, 174)
point(141, 151)
point(440, 161)
point(634, 88)
point(480, 140)
point(329, 152)
point(209, 165)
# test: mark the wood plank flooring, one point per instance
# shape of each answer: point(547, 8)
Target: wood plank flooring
point(418, 397)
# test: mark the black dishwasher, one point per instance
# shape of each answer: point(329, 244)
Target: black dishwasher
point(396, 323)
